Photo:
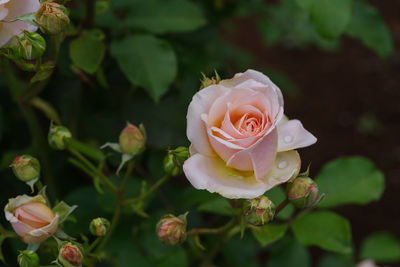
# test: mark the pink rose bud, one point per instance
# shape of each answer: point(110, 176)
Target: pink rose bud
point(303, 192)
point(171, 230)
point(26, 168)
point(28, 258)
point(31, 218)
point(132, 140)
point(99, 226)
point(259, 211)
point(70, 255)
point(52, 18)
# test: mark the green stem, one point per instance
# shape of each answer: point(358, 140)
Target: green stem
point(281, 206)
point(92, 168)
point(118, 210)
point(94, 244)
point(147, 193)
point(90, 10)
point(218, 230)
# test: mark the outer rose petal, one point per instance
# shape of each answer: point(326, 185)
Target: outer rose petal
point(39, 235)
point(17, 8)
point(252, 75)
point(210, 173)
point(286, 165)
point(201, 103)
point(292, 135)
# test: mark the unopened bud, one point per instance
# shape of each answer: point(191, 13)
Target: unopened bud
point(259, 211)
point(28, 258)
point(171, 230)
point(132, 140)
point(173, 162)
point(205, 82)
point(57, 136)
point(70, 255)
point(31, 45)
point(99, 226)
point(26, 168)
point(303, 192)
point(52, 18)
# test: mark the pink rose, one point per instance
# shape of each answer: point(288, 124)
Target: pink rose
point(242, 144)
point(10, 10)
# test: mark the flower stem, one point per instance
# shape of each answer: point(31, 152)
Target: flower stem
point(118, 210)
point(219, 230)
point(147, 193)
point(94, 244)
point(281, 206)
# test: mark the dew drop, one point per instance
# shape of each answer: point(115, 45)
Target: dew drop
point(288, 138)
point(283, 164)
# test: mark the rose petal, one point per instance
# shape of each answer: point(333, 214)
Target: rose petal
point(292, 135)
point(261, 155)
point(286, 165)
point(39, 235)
point(223, 148)
point(17, 8)
point(210, 173)
point(218, 109)
point(201, 103)
point(253, 75)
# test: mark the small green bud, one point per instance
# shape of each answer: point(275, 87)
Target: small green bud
point(52, 18)
point(31, 45)
point(57, 135)
point(205, 82)
point(70, 255)
point(171, 230)
point(28, 258)
point(26, 168)
point(99, 226)
point(132, 140)
point(303, 192)
point(259, 211)
point(174, 160)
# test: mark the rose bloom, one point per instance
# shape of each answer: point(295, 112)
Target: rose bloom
point(10, 10)
point(241, 143)
point(31, 218)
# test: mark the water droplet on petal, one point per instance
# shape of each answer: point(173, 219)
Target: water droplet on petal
point(288, 138)
point(283, 164)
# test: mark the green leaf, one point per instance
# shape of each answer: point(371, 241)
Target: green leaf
point(87, 51)
point(165, 16)
point(63, 210)
point(269, 233)
point(239, 252)
point(277, 195)
point(289, 253)
point(306, 4)
point(335, 260)
point(324, 229)
point(146, 61)
point(350, 180)
point(217, 205)
point(381, 247)
point(368, 25)
point(330, 18)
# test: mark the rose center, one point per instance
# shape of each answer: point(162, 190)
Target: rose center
point(249, 124)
